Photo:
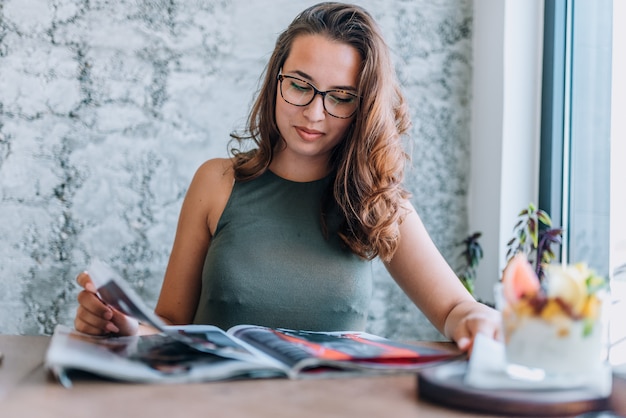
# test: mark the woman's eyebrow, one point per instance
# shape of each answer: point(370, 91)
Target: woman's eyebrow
point(310, 79)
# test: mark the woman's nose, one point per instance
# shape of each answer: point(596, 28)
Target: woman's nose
point(315, 110)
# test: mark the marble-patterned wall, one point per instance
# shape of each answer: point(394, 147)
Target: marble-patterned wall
point(107, 108)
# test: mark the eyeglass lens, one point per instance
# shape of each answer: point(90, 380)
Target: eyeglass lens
point(337, 103)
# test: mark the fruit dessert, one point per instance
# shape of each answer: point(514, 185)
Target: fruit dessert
point(553, 324)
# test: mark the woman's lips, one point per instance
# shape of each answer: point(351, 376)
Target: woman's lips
point(308, 134)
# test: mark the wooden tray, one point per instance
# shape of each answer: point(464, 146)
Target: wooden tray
point(445, 385)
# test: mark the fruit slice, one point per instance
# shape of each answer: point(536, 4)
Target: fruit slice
point(519, 279)
point(568, 284)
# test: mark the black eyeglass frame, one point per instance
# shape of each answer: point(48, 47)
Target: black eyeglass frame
point(280, 77)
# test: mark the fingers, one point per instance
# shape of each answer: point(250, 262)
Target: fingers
point(125, 324)
point(93, 316)
point(481, 321)
point(85, 282)
point(483, 326)
point(464, 343)
point(93, 325)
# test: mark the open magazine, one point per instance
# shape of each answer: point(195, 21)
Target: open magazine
point(193, 353)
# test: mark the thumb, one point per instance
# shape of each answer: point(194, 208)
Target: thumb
point(126, 324)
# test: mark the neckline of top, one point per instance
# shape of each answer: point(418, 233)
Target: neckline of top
point(323, 179)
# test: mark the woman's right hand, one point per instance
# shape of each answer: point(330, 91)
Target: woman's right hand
point(95, 317)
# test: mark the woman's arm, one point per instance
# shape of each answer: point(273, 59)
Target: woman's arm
point(421, 271)
point(202, 207)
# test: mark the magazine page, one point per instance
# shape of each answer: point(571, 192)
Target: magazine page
point(155, 358)
point(116, 292)
point(302, 350)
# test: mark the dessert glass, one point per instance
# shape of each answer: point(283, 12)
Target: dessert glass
point(556, 327)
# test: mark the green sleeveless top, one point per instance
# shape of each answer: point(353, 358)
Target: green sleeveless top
point(269, 263)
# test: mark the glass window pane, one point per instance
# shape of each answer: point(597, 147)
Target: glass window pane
point(588, 229)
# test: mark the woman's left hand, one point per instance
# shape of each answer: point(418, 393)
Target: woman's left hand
point(468, 319)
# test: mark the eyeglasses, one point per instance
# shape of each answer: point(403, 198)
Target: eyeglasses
point(341, 104)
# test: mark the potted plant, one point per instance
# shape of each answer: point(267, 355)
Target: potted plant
point(534, 236)
point(471, 255)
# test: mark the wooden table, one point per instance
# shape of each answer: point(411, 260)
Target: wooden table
point(26, 390)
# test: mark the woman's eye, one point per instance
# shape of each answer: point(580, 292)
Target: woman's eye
point(342, 98)
point(300, 86)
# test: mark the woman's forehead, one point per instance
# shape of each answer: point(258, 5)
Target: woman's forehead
point(323, 60)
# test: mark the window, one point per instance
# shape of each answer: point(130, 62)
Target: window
point(579, 127)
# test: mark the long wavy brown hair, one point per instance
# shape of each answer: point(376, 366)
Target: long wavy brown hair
point(368, 164)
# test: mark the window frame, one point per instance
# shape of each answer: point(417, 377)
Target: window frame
point(566, 79)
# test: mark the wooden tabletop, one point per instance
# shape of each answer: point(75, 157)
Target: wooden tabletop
point(26, 390)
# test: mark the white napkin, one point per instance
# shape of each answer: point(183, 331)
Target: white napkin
point(488, 369)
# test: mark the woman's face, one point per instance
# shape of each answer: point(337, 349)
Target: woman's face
point(310, 132)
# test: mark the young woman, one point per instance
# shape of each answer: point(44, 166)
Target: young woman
point(283, 235)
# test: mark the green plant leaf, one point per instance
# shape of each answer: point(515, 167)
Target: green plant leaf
point(533, 235)
point(533, 229)
point(544, 218)
point(587, 327)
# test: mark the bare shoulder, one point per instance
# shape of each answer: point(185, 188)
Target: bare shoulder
point(412, 229)
point(210, 189)
point(212, 182)
point(407, 210)
point(216, 171)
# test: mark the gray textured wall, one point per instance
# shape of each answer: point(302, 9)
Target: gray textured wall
point(107, 108)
